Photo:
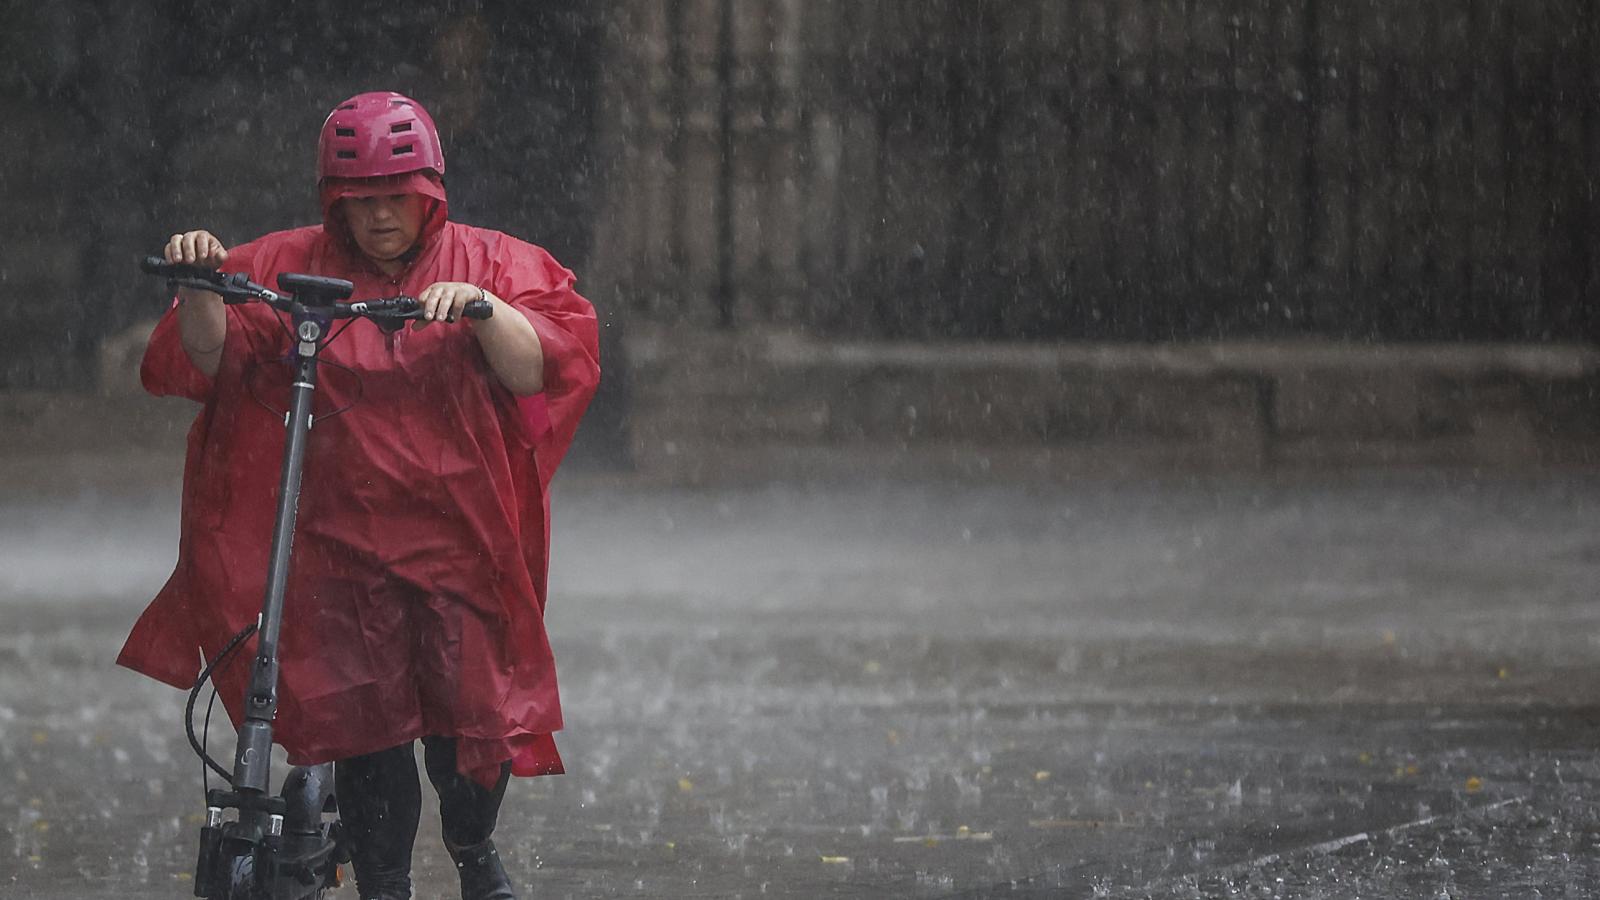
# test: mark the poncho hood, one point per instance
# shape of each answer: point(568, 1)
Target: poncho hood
point(426, 183)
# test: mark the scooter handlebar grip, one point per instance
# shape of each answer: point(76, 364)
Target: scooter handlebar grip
point(155, 265)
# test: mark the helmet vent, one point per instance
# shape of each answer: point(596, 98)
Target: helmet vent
point(348, 106)
point(346, 154)
point(404, 150)
point(345, 132)
point(398, 127)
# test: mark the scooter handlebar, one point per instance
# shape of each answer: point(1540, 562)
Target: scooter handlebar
point(155, 265)
point(408, 307)
point(236, 287)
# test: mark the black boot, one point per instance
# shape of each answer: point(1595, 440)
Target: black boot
point(482, 876)
point(467, 814)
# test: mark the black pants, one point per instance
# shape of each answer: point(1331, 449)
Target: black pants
point(380, 804)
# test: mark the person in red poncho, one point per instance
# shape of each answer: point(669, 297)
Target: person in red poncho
point(415, 602)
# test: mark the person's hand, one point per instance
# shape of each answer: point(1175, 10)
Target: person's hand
point(443, 301)
point(196, 248)
point(202, 324)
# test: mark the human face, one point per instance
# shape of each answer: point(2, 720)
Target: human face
point(385, 226)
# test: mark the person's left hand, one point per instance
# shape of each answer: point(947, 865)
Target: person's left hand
point(444, 301)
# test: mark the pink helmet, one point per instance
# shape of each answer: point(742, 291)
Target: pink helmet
point(377, 134)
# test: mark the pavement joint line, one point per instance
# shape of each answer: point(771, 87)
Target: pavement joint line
point(1324, 848)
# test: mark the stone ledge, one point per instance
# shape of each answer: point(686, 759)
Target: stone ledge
point(649, 346)
point(706, 404)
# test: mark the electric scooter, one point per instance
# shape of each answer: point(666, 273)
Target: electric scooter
point(256, 845)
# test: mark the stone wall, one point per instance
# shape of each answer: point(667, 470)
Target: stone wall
point(1106, 169)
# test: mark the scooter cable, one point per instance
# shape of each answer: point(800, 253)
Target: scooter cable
point(194, 694)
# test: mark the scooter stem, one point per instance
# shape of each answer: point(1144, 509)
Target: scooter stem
point(253, 756)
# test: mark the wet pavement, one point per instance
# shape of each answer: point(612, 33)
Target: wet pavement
point(1354, 686)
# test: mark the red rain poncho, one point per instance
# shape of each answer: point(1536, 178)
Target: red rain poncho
point(416, 595)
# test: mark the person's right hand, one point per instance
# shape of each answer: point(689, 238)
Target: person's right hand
point(202, 324)
point(196, 248)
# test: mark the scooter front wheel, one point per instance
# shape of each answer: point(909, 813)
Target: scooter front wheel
point(242, 885)
point(241, 880)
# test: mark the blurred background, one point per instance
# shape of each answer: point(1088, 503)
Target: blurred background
point(789, 192)
point(1129, 448)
